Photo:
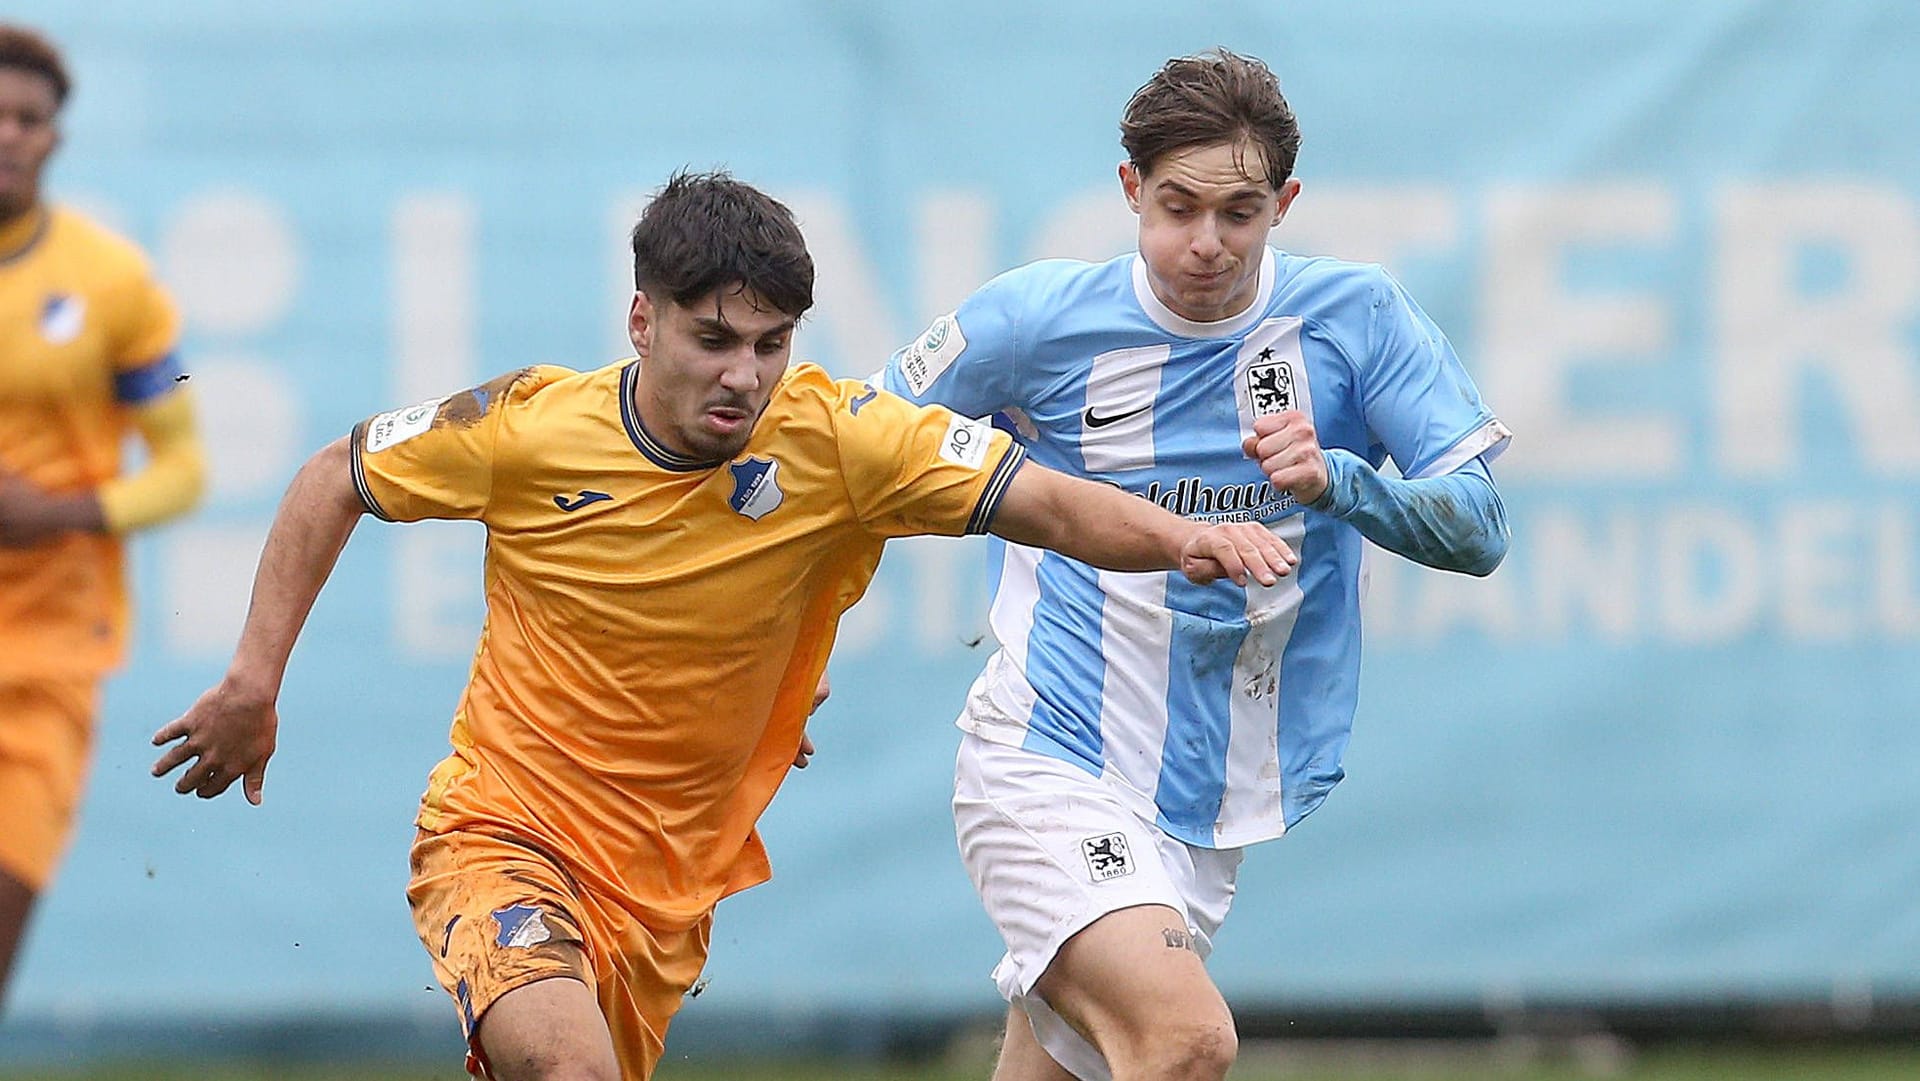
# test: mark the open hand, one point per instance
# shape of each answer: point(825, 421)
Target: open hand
point(1237, 550)
point(228, 736)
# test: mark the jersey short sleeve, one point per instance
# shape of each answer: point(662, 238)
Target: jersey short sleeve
point(911, 469)
point(145, 331)
point(437, 458)
point(967, 360)
point(1416, 396)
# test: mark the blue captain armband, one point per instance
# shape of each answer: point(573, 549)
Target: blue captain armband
point(1454, 522)
point(137, 386)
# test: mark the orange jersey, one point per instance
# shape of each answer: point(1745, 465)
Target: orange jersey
point(656, 626)
point(86, 336)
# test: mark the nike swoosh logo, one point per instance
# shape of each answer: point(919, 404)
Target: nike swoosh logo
point(1094, 420)
point(586, 496)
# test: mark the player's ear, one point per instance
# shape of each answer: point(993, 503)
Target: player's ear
point(1130, 184)
point(641, 319)
point(1288, 190)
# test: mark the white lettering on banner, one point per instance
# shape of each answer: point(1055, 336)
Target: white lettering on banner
point(1818, 571)
point(848, 302)
point(203, 600)
point(254, 424)
point(1094, 225)
point(1577, 586)
point(1769, 333)
point(1457, 602)
point(1537, 335)
point(1692, 572)
point(1783, 348)
point(622, 214)
point(1896, 600)
point(954, 233)
point(1707, 574)
point(1386, 225)
point(433, 309)
point(232, 260)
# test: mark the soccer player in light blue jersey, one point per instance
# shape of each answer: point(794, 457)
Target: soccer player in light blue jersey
point(1135, 732)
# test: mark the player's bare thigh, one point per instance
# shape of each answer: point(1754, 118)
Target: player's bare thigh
point(547, 1030)
point(1133, 985)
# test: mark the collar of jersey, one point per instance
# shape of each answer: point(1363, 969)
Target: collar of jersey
point(17, 241)
point(1173, 323)
point(656, 452)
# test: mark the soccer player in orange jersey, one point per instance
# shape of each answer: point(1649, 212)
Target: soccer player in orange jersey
point(86, 356)
point(671, 542)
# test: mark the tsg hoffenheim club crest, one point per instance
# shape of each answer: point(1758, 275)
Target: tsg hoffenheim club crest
point(756, 487)
point(62, 317)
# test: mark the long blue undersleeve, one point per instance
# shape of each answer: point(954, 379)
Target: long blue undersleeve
point(1455, 522)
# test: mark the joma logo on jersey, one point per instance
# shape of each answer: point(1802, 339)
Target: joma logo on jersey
point(1107, 857)
point(1270, 386)
point(756, 487)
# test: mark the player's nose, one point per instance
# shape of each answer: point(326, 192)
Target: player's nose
point(740, 372)
point(1205, 241)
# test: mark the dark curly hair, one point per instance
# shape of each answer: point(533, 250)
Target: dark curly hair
point(707, 231)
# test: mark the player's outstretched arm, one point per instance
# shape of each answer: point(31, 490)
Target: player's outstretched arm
point(228, 734)
point(1102, 525)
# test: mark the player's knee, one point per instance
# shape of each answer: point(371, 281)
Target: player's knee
point(1201, 1051)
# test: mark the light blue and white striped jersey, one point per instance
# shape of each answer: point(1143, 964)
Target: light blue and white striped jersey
point(1221, 710)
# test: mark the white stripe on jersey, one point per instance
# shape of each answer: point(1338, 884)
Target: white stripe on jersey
point(1136, 642)
point(1003, 681)
point(1251, 808)
point(1116, 431)
point(1269, 374)
point(1489, 439)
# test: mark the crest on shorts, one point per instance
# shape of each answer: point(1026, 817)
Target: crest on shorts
point(521, 927)
point(1107, 856)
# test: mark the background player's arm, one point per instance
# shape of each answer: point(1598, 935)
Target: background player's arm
point(230, 729)
point(174, 477)
point(167, 486)
point(29, 514)
point(1108, 528)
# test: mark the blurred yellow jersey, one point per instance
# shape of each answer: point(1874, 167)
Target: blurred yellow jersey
point(655, 625)
point(86, 336)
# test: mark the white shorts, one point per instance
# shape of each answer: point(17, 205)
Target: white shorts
point(1052, 848)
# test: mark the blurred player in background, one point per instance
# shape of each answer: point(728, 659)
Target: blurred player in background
point(87, 343)
point(1135, 731)
point(671, 542)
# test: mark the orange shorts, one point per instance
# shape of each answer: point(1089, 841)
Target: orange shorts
point(496, 914)
point(46, 732)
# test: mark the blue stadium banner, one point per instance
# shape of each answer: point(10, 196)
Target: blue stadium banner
point(1667, 750)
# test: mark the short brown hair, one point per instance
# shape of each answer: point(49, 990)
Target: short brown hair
point(706, 231)
point(1217, 96)
point(28, 50)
